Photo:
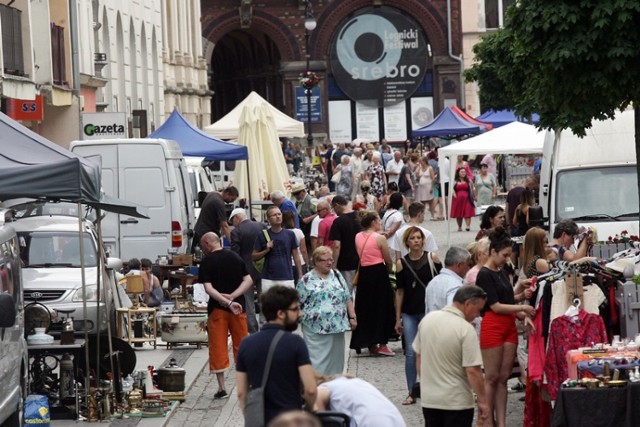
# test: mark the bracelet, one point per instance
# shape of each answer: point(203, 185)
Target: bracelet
point(354, 317)
point(230, 302)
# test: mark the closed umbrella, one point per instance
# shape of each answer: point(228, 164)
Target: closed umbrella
point(266, 166)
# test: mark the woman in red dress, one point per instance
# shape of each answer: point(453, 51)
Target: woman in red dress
point(463, 205)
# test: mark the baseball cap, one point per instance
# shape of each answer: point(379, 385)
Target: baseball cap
point(237, 211)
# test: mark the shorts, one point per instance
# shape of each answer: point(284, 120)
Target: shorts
point(408, 194)
point(498, 329)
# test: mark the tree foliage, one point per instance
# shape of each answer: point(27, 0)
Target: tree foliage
point(570, 61)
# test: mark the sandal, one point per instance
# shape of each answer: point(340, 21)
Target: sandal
point(409, 401)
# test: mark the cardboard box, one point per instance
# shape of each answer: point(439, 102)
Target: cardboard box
point(182, 259)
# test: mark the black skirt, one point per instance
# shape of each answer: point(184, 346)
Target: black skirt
point(374, 307)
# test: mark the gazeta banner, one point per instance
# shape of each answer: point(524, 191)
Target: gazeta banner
point(379, 56)
point(104, 125)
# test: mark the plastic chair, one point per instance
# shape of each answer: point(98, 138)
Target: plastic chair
point(333, 419)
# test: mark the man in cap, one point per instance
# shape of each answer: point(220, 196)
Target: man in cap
point(243, 238)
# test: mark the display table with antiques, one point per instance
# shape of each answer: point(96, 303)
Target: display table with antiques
point(184, 326)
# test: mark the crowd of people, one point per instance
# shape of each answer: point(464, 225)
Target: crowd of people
point(356, 256)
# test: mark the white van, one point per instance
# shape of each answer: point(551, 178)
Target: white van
point(200, 181)
point(13, 347)
point(592, 180)
point(223, 173)
point(151, 173)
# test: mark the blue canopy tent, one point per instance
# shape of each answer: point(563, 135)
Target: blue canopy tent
point(195, 143)
point(503, 117)
point(447, 125)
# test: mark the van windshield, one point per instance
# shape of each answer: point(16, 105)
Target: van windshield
point(597, 194)
point(55, 249)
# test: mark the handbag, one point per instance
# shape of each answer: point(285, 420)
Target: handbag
point(432, 267)
point(254, 403)
point(259, 263)
point(354, 282)
point(336, 177)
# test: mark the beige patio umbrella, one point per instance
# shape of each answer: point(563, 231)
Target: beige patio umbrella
point(267, 170)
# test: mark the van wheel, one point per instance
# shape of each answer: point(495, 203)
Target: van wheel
point(16, 419)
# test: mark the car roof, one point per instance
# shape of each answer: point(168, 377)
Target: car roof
point(50, 223)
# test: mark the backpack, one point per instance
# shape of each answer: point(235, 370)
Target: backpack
point(403, 184)
point(259, 264)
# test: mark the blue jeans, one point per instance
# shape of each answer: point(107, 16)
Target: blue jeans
point(409, 331)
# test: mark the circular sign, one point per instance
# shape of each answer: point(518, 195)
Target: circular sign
point(379, 56)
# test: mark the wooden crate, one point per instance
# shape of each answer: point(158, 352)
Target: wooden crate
point(182, 259)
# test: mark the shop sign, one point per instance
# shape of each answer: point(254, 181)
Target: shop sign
point(104, 125)
point(379, 55)
point(24, 109)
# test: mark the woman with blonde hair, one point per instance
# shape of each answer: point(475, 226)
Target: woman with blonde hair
point(327, 312)
point(479, 254)
point(345, 185)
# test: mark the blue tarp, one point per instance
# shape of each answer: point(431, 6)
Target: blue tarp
point(503, 117)
point(448, 123)
point(195, 143)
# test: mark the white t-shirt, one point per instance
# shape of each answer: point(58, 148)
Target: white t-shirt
point(299, 236)
point(314, 226)
point(363, 403)
point(396, 244)
point(444, 174)
point(393, 166)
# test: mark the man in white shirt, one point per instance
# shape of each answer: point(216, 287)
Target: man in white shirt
point(394, 167)
point(416, 217)
point(441, 289)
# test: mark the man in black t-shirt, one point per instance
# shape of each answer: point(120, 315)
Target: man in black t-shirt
point(226, 280)
point(213, 215)
point(343, 234)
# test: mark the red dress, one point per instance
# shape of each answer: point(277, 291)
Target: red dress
point(461, 206)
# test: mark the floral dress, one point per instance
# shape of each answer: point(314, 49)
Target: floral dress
point(376, 177)
point(345, 185)
point(324, 302)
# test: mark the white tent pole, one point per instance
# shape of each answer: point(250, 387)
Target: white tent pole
point(84, 299)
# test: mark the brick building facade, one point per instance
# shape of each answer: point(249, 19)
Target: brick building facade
point(260, 45)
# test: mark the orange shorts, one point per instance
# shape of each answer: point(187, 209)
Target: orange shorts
point(497, 329)
point(220, 323)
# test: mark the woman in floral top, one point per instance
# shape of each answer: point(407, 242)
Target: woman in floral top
point(327, 313)
point(376, 176)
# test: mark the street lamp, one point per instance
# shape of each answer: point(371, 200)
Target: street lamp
point(309, 25)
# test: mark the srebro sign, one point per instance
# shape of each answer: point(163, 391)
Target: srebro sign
point(379, 56)
point(104, 125)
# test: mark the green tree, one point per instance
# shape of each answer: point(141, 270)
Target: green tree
point(570, 61)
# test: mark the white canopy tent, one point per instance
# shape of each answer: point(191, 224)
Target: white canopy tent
point(228, 127)
point(513, 138)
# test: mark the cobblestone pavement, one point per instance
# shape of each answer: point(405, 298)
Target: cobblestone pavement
point(386, 373)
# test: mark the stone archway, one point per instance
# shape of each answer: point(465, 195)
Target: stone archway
point(244, 60)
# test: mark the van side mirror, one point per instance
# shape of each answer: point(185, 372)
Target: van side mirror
point(7, 311)
point(536, 218)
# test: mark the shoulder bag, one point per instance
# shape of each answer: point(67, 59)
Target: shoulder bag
point(254, 403)
point(432, 267)
point(354, 282)
point(259, 263)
